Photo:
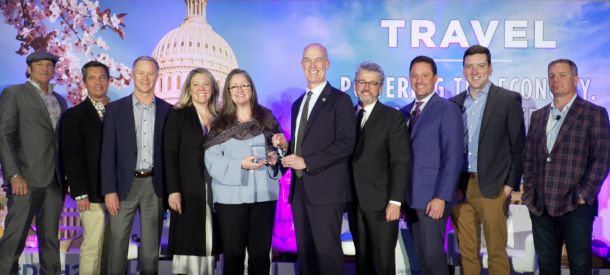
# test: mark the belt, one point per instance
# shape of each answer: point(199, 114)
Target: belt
point(473, 176)
point(143, 174)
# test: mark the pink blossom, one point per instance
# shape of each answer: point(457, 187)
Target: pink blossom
point(54, 9)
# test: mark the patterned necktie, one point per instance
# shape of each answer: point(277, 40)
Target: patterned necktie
point(415, 114)
point(301, 130)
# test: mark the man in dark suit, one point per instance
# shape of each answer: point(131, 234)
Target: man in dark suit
point(324, 134)
point(81, 139)
point(380, 169)
point(437, 142)
point(29, 115)
point(566, 159)
point(132, 168)
point(492, 166)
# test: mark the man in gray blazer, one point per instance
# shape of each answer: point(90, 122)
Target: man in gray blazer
point(29, 115)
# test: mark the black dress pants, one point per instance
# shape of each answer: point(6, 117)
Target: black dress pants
point(246, 226)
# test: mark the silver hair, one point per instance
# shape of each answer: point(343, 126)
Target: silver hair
point(371, 67)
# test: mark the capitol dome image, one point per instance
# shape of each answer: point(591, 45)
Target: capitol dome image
point(193, 44)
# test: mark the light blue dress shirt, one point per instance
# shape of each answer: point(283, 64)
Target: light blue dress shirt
point(553, 125)
point(144, 118)
point(473, 116)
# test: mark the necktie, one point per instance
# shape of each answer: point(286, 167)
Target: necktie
point(360, 118)
point(415, 114)
point(301, 130)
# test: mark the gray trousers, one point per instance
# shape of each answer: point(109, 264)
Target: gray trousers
point(45, 204)
point(141, 197)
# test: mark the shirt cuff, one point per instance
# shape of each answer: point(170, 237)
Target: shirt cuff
point(395, 202)
point(82, 197)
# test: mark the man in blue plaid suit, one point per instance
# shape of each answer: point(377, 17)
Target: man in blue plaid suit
point(566, 160)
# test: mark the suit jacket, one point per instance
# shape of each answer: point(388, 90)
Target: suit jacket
point(577, 164)
point(28, 142)
point(81, 140)
point(327, 145)
point(501, 141)
point(381, 160)
point(437, 140)
point(120, 149)
point(185, 173)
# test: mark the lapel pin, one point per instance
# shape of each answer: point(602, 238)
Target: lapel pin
point(324, 99)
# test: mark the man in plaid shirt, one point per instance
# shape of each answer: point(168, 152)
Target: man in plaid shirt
point(566, 160)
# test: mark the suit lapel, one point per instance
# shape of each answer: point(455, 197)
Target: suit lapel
point(490, 105)
point(459, 99)
point(316, 108)
point(575, 110)
point(423, 114)
point(130, 124)
point(32, 93)
point(542, 122)
point(373, 117)
point(91, 114)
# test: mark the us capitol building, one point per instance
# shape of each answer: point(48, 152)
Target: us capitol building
point(193, 44)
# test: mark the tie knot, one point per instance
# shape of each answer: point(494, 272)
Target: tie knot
point(418, 104)
point(309, 93)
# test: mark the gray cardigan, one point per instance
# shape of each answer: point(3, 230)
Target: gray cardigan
point(233, 185)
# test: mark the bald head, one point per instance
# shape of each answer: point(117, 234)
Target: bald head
point(316, 46)
point(315, 64)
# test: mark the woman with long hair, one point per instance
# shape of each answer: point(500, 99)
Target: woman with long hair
point(187, 180)
point(245, 174)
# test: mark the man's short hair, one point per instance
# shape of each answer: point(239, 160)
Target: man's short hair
point(145, 58)
point(371, 67)
point(565, 61)
point(91, 64)
point(424, 59)
point(476, 49)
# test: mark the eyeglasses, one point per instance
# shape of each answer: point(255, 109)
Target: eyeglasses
point(363, 83)
point(236, 87)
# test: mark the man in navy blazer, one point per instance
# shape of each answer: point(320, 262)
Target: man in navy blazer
point(324, 135)
point(132, 168)
point(437, 143)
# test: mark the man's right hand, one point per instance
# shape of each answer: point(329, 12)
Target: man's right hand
point(112, 203)
point(18, 186)
point(83, 205)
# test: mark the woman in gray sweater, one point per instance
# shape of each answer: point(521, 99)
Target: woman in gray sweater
point(245, 175)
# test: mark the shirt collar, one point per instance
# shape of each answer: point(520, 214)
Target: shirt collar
point(483, 91)
point(35, 84)
point(425, 99)
point(565, 108)
point(317, 89)
point(95, 102)
point(369, 108)
point(137, 102)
